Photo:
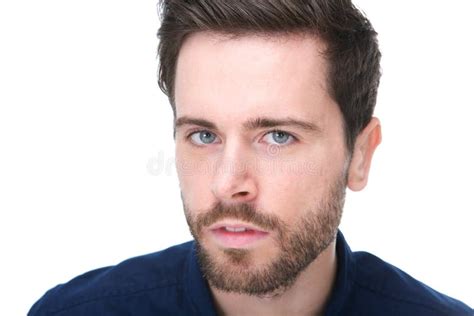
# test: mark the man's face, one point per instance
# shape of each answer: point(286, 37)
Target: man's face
point(260, 155)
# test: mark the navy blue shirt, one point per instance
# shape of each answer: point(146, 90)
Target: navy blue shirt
point(170, 282)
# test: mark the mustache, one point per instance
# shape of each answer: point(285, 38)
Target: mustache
point(243, 211)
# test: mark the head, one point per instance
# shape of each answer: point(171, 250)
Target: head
point(273, 104)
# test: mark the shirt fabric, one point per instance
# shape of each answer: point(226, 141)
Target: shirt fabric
point(170, 282)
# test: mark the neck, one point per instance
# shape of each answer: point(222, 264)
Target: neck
point(307, 296)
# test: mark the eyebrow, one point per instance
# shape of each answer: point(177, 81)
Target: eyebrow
point(186, 120)
point(251, 124)
point(266, 122)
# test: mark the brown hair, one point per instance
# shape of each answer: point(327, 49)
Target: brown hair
point(352, 48)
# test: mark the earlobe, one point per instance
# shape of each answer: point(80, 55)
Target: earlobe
point(366, 143)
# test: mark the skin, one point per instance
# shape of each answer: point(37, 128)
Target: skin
point(231, 81)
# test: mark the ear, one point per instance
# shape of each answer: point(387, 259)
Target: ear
point(364, 148)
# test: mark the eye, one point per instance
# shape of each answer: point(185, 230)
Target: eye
point(279, 138)
point(202, 137)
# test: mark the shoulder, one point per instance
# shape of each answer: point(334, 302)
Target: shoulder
point(400, 293)
point(158, 272)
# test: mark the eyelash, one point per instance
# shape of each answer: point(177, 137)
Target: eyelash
point(293, 137)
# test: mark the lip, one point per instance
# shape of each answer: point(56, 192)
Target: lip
point(229, 239)
point(235, 224)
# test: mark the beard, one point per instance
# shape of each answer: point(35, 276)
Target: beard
point(232, 271)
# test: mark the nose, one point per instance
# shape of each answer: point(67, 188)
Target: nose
point(234, 176)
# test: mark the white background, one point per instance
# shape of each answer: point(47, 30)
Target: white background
point(86, 149)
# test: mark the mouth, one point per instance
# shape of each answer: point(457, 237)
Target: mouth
point(237, 235)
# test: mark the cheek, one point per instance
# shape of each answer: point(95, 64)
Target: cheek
point(304, 170)
point(291, 189)
point(194, 176)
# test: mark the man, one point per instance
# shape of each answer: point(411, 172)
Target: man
point(273, 104)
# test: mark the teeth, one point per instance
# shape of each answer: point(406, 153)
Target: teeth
point(235, 230)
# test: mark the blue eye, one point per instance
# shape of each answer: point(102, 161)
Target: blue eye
point(203, 137)
point(279, 138)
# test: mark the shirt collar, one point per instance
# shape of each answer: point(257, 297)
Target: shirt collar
point(344, 276)
point(196, 286)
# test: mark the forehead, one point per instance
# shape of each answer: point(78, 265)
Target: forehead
point(237, 77)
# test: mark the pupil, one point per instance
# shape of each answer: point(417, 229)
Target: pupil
point(280, 137)
point(206, 137)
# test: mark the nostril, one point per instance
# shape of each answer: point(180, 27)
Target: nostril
point(244, 193)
